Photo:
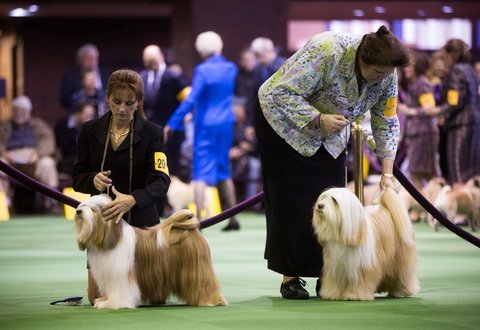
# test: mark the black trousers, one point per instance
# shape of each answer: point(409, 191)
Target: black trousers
point(292, 184)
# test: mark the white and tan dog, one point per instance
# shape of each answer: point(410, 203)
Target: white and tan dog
point(181, 194)
point(461, 199)
point(365, 249)
point(132, 265)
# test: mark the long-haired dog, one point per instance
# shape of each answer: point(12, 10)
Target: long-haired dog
point(365, 249)
point(131, 265)
point(461, 199)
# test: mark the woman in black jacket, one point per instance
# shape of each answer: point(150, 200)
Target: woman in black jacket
point(122, 154)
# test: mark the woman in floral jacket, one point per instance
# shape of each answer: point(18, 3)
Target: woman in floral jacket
point(308, 105)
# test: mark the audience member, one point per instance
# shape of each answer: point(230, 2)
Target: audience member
point(436, 74)
point(163, 93)
point(89, 92)
point(214, 120)
point(66, 135)
point(477, 71)
point(244, 154)
point(87, 59)
point(244, 82)
point(268, 63)
point(420, 131)
point(460, 106)
point(28, 144)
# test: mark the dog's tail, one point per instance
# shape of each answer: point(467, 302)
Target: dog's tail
point(390, 200)
point(183, 219)
point(176, 228)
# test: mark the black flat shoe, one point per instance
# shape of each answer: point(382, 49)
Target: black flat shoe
point(232, 225)
point(317, 287)
point(294, 289)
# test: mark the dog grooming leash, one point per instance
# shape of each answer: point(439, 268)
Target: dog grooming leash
point(130, 162)
point(130, 168)
point(105, 152)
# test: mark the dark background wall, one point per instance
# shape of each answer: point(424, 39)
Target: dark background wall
point(48, 40)
point(50, 46)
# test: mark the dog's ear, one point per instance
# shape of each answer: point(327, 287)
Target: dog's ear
point(113, 233)
point(352, 226)
point(476, 181)
point(81, 245)
point(84, 230)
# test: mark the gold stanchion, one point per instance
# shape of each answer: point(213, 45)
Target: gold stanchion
point(357, 134)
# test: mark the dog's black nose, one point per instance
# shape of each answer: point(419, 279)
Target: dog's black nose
point(320, 206)
point(78, 212)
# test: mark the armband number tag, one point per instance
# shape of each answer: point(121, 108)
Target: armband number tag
point(452, 97)
point(161, 162)
point(391, 107)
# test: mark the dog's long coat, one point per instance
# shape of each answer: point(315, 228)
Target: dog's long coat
point(131, 265)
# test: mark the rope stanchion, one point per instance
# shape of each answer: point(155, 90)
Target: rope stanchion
point(249, 202)
point(423, 201)
point(47, 191)
point(432, 210)
point(33, 184)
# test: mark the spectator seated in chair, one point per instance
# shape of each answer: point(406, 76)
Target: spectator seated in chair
point(28, 144)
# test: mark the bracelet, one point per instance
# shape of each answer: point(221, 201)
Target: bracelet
point(387, 175)
point(317, 121)
point(320, 121)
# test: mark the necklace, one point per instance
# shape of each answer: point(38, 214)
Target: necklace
point(116, 136)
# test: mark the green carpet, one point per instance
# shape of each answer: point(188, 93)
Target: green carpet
point(40, 262)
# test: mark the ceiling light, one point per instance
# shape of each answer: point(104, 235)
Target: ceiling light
point(447, 9)
point(380, 9)
point(33, 8)
point(18, 12)
point(358, 13)
point(421, 12)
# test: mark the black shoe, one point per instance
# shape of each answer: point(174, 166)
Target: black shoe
point(317, 287)
point(232, 225)
point(294, 289)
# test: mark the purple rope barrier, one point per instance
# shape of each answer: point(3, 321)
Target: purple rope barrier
point(432, 210)
point(33, 184)
point(228, 213)
point(255, 199)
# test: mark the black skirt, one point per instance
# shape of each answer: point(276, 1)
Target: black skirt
point(292, 184)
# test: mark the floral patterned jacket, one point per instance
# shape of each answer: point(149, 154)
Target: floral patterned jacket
point(320, 78)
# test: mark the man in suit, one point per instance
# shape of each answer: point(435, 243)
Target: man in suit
point(163, 89)
point(268, 62)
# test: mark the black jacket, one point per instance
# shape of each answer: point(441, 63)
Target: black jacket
point(166, 101)
point(149, 185)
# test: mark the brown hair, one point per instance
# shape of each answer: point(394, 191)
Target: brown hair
point(127, 79)
point(421, 62)
point(383, 48)
point(458, 49)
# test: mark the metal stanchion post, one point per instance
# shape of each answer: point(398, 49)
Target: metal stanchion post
point(357, 134)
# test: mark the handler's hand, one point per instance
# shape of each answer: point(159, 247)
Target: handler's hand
point(333, 124)
point(102, 180)
point(118, 207)
point(386, 181)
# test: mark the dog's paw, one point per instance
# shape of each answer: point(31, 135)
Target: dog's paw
point(110, 304)
point(218, 300)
